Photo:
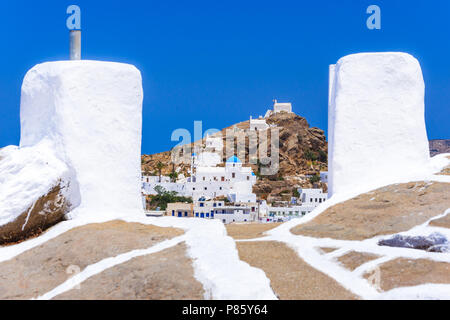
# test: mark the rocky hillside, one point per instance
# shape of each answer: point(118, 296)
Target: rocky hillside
point(439, 146)
point(302, 152)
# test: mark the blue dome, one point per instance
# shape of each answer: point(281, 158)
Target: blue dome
point(234, 159)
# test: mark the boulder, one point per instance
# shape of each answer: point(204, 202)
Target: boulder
point(43, 213)
point(37, 190)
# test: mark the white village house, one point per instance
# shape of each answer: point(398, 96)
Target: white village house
point(211, 209)
point(234, 181)
point(208, 180)
point(279, 107)
point(310, 199)
point(324, 176)
point(258, 124)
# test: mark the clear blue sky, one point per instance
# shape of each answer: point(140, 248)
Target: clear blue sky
point(221, 61)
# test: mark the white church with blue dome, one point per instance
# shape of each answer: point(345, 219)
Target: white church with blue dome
point(207, 179)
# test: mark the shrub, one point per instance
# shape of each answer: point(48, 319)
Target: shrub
point(314, 179)
point(163, 197)
point(323, 157)
point(310, 155)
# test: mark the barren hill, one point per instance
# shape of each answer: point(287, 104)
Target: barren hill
point(302, 152)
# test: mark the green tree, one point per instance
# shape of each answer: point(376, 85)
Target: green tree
point(314, 179)
point(173, 176)
point(323, 156)
point(163, 197)
point(310, 155)
point(160, 166)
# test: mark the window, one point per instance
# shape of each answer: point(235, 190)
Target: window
point(223, 220)
point(212, 214)
point(202, 215)
point(202, 204)
point(196, 214)
point(207, 215)
point(206, 188)
point(214, 204)
point(173, 213)
point(185, 214)
point(233, 175)
point(193, 188)
point(180, 213)
point(220, 188)
point(248, 177)
point(220, 204)
point(253, 209)
point(320, 200)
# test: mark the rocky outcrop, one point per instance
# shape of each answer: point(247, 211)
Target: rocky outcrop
point(439, 146)
point(408, 272)
point(48, 210)
point(37, 190)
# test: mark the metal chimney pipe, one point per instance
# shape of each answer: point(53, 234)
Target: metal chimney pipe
point(75, 44)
